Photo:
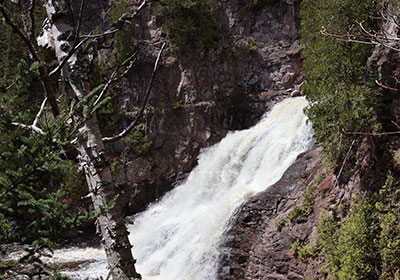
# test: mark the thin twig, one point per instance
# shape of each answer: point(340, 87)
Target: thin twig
point(105, 88)
point(40, 112)
point(19, 32)
point(78, 28)
point(114, 79)
point(30, 128)
point(344, 162)
point(372, 133)
point(65, 60)
point(32, 16)
point(396, 124)
point(119, 24)
point(147, 93)
point(92, 36)
point(385, 87)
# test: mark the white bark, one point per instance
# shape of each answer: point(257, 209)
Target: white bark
point(91, 147)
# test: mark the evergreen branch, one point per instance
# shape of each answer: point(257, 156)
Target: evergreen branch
point(20, 181)
point(147, 93)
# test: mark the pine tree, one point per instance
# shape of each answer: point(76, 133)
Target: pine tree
point(342, 98)
point(71, 129)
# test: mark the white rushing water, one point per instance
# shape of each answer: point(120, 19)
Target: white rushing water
point(179, 237)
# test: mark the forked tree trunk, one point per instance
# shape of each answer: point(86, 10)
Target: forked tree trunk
point(92, 157)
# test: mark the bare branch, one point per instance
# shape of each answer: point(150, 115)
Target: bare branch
point(372, 133)
point(147, 93)
point(396, 124)
point(78, 28)
point(34, 127)
point(344, 162)
point(119, 24)
point(30, 128)
point(93, 36)
point(113, 79)
point(68, 56)
point(32, 16)
point(386, 38)
point(19, 32)
point(40, 112)
point(105, 88)
point(385, 87)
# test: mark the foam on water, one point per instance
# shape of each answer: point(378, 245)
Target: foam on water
point(179, 237)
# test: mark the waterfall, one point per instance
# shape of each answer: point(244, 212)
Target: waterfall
point(180, 236)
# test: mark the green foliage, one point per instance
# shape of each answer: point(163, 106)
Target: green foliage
point(355, 248)
point(300, 213)
point(280, 223)
point(397, 156)
point(189, 23)
point(220, 95)
point(177, 104)
point(304, 250)
point(366, 243)
point(348, 246)
point(388, 240)
point(137, 143)
point(341, 99)
point(123, 39)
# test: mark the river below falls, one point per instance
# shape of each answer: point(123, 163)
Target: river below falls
point(180, 237)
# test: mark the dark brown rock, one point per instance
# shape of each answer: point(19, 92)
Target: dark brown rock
point(267, 250)
point(199, 95)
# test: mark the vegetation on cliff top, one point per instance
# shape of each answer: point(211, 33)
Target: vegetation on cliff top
point(366, 243)
point(346, 107)
point(342, 99)
point(189, 23)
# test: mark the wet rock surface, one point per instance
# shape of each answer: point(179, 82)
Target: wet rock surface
point(257, 249)
point(199, 95)
point(259, 243)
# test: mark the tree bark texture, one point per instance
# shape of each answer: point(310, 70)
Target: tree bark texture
point(92, 152)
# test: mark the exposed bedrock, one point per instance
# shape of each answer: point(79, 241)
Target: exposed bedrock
point(198, 96)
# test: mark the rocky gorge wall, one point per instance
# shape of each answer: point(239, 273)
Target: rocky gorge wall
point(275, 232)
point(199, 95)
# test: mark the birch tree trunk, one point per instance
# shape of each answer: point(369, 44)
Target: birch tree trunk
point(92, 156)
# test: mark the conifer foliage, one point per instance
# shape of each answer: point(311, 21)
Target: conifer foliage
point(341, 91)
point(49, 128)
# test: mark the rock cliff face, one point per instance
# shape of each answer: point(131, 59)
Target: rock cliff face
point(198, 95)
point(260, 243)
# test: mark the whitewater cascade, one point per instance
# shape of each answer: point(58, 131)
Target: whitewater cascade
point(180, 236)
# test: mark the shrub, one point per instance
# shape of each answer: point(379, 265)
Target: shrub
point(366, 243)
point(137, 143)
point(280, 223)
point(189, 23)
